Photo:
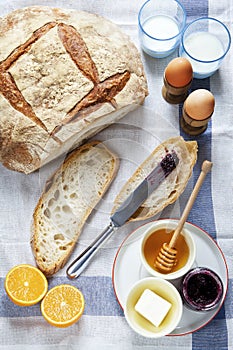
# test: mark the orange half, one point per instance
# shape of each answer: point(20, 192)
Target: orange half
point(63, 305)
point(25, 285)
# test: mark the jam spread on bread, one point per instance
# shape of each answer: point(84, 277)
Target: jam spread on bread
point(169, 163)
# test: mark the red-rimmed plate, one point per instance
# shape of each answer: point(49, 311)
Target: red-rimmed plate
point(127, 269)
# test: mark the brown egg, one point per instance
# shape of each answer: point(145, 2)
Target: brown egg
point(199, 105)
point(179, 72)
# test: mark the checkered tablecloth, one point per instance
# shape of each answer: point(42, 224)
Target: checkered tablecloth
point(103, 325)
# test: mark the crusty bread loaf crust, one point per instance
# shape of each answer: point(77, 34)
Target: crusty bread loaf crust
point(68, 199)
point(64, 76)
point(172, 187)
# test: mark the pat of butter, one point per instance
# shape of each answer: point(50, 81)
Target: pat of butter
point(151, 306)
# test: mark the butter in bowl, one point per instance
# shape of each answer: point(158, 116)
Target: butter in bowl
point(153, 307)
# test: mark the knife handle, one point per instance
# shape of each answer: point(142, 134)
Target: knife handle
point(81, 262)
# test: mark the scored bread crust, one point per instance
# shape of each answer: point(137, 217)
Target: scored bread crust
point(64, 76)
point(66, 202)
point(171, 187)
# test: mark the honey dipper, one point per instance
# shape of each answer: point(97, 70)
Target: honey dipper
point(166, 258)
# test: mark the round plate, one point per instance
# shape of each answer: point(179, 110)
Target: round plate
point(127, 269)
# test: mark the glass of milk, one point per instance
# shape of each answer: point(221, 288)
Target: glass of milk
point(161, 24)
point(205, 42)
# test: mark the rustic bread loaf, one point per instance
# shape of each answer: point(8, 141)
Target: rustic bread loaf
point(172, 187)
point(68, 199)
point(64, 76)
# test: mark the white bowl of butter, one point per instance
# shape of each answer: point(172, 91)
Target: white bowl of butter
point(153, 307)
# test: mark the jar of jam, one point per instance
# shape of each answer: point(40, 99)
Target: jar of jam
point(201, 289)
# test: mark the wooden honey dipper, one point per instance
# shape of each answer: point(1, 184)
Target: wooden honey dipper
point(166, 258)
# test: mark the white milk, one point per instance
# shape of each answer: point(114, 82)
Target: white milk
point(159, 27)
point(203, 46)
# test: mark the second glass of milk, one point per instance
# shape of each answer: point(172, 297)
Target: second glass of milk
point(205, 42)
point(161, 24)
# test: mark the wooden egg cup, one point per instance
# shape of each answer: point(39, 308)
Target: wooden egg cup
point(192, 126)
point(174, 95)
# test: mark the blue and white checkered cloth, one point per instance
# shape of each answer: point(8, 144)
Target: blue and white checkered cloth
point(103, 325)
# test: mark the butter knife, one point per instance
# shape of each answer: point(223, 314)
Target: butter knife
point(125, 211)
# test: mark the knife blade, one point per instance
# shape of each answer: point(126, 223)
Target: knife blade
point(124, 212)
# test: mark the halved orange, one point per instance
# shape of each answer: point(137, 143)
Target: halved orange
point(63, 305)
point(25, 285)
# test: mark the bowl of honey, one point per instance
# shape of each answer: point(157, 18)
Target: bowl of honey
point(155, 236)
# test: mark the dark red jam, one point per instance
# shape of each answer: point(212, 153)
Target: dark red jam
point(169, 163)
point(202, 289)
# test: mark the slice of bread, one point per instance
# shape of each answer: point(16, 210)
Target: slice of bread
point(66, 202)
point(171, 188)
